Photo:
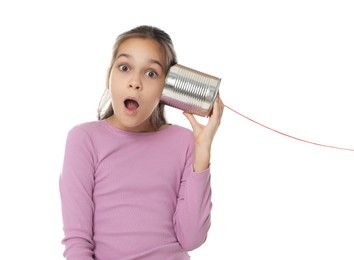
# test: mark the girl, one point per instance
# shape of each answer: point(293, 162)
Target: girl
point(132, 185)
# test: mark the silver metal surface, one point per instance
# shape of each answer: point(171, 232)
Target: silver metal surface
point(190, 90)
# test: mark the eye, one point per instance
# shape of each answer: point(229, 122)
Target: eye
point(123, 67)
point(151, 74)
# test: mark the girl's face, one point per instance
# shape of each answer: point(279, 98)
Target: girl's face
point(136, 82)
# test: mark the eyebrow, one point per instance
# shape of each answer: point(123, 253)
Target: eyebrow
point(130, 56)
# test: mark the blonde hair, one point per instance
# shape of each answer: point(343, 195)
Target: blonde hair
point(157, 118)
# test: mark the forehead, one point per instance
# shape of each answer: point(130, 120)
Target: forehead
point(142, 48)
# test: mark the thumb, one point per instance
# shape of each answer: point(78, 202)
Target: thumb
point(191, 119)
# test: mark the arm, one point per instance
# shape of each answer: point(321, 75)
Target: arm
point(192, 217)
point(76, 187)
point(203, 135)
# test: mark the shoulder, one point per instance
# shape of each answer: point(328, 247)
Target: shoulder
point(180, 134)
point(86, 127)
point(85, 131)
point(181, 130)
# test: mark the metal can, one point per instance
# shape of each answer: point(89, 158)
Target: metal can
point(190, 90)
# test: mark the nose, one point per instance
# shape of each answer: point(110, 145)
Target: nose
point(135, 82)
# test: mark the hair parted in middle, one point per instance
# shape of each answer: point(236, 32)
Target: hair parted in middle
point(105, 108)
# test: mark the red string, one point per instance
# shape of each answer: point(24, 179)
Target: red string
point(302, 140)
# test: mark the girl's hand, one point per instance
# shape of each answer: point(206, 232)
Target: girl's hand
point(204, 135)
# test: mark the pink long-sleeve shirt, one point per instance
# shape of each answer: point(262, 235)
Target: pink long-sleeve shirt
point(128, 195)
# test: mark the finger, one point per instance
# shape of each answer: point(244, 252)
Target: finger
point(218, 109)
point(217, 112)
point(191, 119)
point(222, 106)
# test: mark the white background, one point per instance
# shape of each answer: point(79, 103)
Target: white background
point(286, 64)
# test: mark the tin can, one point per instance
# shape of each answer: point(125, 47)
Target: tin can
point(190, 90)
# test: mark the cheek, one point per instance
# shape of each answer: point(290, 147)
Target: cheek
point(157, 94)
point(160, 88)
point(113, 85)
point(114, 93)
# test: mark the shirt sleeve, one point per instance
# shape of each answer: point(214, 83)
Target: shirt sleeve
point(76, 187)
point(192, 216)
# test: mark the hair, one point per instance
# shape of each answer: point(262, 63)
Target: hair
point(157, 118)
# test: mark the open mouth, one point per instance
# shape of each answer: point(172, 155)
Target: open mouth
point(131, 104)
